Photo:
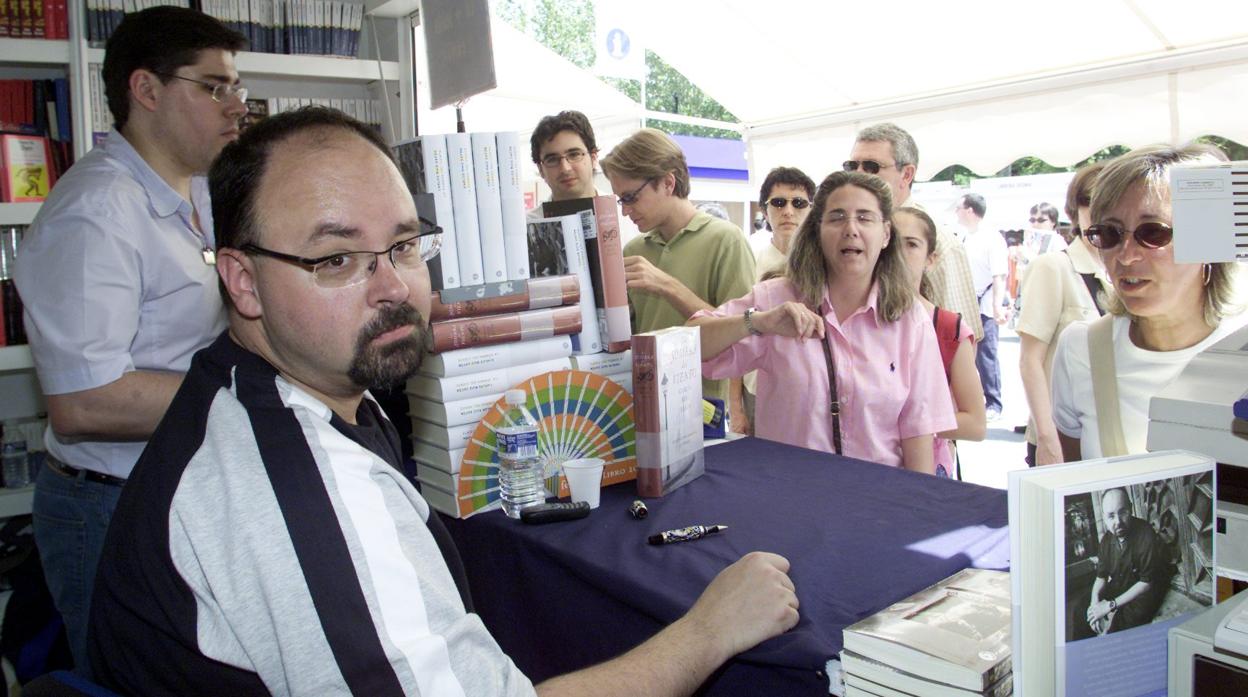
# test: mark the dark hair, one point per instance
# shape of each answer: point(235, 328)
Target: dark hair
point(236, 174)
point(160, 39)
point(551, 126)
point(807, 268)
point(976, 203)
point(785, 175)
point(1047, 210)
point(1081, 189)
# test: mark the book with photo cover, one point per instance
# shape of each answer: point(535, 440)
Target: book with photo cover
point(424, 163)
point(956, 632)
point(557, 246)
point(877, 678)
point(1104, 561)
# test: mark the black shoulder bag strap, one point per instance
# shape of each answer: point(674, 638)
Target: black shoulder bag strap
point(834, 403)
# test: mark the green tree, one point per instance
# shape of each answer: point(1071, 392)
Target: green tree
point(567, 28)
point(1233, 150)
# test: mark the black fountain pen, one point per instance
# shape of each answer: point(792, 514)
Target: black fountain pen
point(693, 532)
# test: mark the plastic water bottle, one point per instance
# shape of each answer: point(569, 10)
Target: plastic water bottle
point(15, 467)
point(520, 468)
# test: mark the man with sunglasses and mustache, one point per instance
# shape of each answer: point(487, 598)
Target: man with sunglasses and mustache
point(272, 543)
point(890, 153)
point(118, 280)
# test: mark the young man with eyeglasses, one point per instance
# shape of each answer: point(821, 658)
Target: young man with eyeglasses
point(785, 198)
point(889, 152)
point(118, 280)
point(685, 260)
point(273, 544)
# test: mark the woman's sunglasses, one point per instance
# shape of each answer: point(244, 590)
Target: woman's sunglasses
point(1147, 235)
point(780, 202)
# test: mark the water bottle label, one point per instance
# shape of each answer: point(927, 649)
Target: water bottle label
point(13, 448)
point(518, 445)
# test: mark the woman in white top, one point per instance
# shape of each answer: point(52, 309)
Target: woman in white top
point(1163, 313)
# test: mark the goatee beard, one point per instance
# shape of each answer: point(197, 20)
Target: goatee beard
point(383, 367)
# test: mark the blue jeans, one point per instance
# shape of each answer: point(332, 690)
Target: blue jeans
point(71, 517)
point(986, 364)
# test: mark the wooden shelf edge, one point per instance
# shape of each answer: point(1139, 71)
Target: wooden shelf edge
point(15, 358)
point(18, 213)
point(301, 66)
point(35, 51)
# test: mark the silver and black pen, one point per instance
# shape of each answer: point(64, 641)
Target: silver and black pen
point(693, 532)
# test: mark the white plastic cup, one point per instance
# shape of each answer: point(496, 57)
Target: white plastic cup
point(584, 479)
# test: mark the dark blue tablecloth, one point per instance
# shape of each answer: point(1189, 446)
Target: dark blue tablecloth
point(860, 536)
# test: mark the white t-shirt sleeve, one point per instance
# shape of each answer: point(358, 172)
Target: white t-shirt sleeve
point(1071, 372)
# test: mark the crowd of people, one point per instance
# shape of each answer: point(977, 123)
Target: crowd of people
point(224, 508)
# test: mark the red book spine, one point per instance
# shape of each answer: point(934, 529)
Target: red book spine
point(646, 414)
point(539, 293)
point(453, 334)
point(615, 323)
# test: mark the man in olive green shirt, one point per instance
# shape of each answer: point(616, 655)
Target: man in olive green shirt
point(685, 260)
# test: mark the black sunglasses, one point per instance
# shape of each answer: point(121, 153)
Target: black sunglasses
point(780, 202)
point(868, 166)
point(1147, 235)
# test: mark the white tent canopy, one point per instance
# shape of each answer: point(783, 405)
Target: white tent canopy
point(977, 82)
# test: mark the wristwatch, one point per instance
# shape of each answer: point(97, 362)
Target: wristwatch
point(749, 324)
point(1113, 605)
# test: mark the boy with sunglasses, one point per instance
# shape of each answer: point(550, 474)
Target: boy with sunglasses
point(785, 198)
point(119, 280)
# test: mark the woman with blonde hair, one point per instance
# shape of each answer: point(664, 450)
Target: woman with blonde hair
point(848, 359)
point(1161, 315)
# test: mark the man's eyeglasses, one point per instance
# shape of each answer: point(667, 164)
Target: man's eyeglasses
point(780, 202)
point(631, 197)
point(221, 91)
point(863, 218)
point(573, 156)
point(1147, 235)
point(1037, 221)
point(868, 166)
point(347, 269)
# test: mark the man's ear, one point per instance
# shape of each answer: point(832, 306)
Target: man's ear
point(145, 89)
point(907, 175)
point(237, 272)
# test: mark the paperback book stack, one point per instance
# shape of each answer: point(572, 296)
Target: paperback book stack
point(951, 639)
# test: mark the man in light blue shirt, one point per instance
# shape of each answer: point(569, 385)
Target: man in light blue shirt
point(119, 281)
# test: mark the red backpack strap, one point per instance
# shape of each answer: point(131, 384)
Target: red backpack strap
point(948, 326)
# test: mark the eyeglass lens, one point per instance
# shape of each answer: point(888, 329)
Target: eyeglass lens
point(555, 159)
point(1148, 235)
point(221, 92)
point(351, 268)
point(798, 202)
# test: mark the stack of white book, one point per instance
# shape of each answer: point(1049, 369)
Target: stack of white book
point(455, 389)
point(949, 640)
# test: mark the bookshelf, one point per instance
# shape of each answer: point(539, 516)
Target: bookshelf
point(301, 67)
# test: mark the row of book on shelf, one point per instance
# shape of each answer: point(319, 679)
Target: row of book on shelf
point(317, 27)
point(36, 144)
point(34, 19)
point(1039, 629)
point(12, 331)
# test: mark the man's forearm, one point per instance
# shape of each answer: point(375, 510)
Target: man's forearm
point(127, 409)
point(998, 293)
point(684, 300)
point(1136, 590)
point(673, 662)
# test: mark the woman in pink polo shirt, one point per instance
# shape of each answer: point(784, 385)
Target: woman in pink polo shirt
point(847, 359)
